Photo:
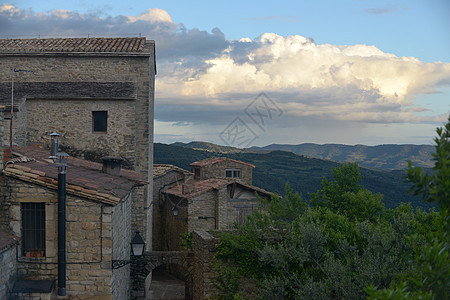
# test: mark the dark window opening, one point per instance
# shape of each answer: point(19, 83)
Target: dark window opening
point(99, 121)
point(233, 173)
point(33, 229)
point(196, 173)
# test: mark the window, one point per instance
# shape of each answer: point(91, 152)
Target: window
point(233, 173)
point(33, 229)
point(99, 121)
point(197, 173)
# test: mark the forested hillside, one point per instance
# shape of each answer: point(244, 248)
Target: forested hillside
point(275, 169)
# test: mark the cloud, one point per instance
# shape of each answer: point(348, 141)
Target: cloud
point(355, 83)
point(203, 78)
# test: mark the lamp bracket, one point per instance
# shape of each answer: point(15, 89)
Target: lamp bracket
point(119, 263)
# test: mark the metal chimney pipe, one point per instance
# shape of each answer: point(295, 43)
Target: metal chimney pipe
point(54, 145)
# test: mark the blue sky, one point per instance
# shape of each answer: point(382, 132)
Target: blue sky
point(354, 72)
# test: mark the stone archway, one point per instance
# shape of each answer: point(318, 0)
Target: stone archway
point(143, 265)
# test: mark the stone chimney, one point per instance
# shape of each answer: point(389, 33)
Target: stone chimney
point(111, 165)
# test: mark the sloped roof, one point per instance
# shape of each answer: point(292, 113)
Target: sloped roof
point(199, 187)
point(73, 45)
point(7, 240)
point(84, 178)
point(214, 160)
point(162, 169)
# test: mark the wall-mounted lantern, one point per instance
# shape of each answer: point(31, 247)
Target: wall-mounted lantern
point(137, 249)
point(175, 212)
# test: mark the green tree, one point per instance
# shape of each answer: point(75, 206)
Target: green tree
point(430, 276)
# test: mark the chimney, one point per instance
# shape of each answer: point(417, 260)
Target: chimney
point(187, 188)
point(111, 165)
point(54, 145)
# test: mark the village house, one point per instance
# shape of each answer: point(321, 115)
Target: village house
point(98, 222)
point(217, 194)
point(98, 95)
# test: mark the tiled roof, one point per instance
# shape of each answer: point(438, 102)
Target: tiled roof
point(162, 169)
point(7, 240)
point(199, 187)
point(77, 45)
point(214, 160)
point(84, 178)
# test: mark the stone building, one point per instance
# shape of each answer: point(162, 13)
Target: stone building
point(164, 177)
point(207, 199)
point(222, 167)
point(98, 94)
point(98, 221)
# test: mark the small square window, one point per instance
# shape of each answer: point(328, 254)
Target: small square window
point(99, 121)
point(228, 173)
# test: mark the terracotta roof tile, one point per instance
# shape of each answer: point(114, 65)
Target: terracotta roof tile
point(74, 45)
point(162, 169)
point(199, 187)
point(83, 178)
point(7, 240)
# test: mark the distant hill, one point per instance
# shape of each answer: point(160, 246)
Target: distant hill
point(304, 174)
point(391, 157)
point(205, 146)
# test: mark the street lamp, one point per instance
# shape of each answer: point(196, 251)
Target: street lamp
point(175, 212)
point(137, 249)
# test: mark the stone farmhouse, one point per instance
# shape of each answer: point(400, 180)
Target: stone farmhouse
point(98, 94)
point(217, 194)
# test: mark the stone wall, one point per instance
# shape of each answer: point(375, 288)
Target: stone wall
point(203, 206)
point(204, 248)
point(88, 236)
point(8, 270)
point(120, 84)
point(121, 249)
point(160, 184)
point(173, 227)
point(218, 170)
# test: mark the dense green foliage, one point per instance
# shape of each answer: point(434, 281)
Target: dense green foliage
point(343, 243)
point(429, 277)
point(303, 174)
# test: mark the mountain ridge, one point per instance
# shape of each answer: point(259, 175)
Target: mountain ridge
point(304, 174)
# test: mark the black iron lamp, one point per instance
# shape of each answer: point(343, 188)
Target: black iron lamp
point(137, 245)
point(175, 212)
point(137, 249)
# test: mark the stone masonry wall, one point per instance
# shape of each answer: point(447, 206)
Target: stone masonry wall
point(88, 236)
point(73, 120)
point(159, 185)
point(204, 248)
point(99, 82)
point(173, 226)
point(121, 249)
point(8, 271)
point(203, 205)
point(218, 170)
